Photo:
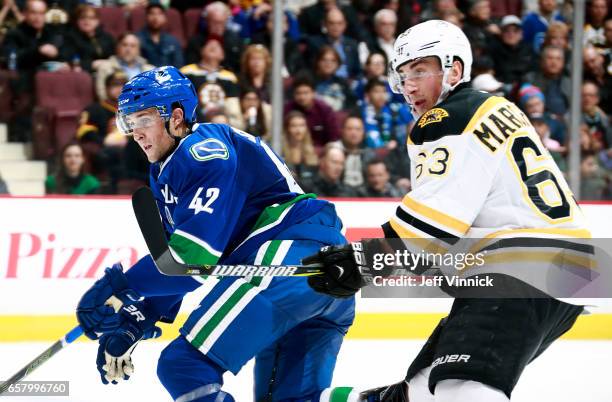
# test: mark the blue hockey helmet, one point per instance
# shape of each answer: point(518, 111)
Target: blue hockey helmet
point(162, 88)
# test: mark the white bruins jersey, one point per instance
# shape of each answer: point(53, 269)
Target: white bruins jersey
point(479, 170)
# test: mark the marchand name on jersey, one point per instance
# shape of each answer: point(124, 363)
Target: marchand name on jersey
point(499, 125)
point(253, 270)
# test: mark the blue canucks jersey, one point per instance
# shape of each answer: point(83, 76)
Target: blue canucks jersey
point(213, 189)
point(222, 194)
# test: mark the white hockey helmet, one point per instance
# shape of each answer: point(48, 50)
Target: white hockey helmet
point(431, 38)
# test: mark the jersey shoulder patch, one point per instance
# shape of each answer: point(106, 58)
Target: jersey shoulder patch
point(450, 117)
point(210, 148)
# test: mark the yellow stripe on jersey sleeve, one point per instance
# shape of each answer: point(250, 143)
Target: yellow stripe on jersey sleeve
point(441, 218)
point(429, 245)
point(486, 107)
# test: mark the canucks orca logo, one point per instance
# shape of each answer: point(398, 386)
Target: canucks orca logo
point(432, 116)
point(162, 76)
point(209, 149)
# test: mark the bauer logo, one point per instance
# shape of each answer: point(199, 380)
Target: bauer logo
point(450, 359)
point(209, 149)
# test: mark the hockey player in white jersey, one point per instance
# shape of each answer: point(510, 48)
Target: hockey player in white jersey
point(479, 170)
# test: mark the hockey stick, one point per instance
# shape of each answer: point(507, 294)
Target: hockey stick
point(149, 221)
point(41, 358)
point(67, 339)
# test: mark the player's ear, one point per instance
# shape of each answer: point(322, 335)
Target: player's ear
point(455, 73)
point(177, 118)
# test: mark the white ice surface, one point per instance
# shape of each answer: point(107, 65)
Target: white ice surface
point(576, 371)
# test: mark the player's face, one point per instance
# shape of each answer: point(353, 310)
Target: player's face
point(150, 134)
point(422, 82)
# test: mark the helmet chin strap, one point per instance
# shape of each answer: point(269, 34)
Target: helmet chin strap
point(176, 139)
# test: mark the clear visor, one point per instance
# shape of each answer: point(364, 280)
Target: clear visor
point(398, 79)
point(127, 124)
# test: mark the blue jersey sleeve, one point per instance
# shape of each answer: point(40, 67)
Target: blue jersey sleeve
point(164, 294)
point(209, 200)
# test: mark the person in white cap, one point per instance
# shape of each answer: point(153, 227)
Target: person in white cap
point(479, 171)
point(512, 58)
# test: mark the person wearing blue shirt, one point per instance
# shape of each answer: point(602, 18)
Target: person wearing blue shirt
point(535, 23)
point(386, 123)
point(158, 47)
point(225, 198)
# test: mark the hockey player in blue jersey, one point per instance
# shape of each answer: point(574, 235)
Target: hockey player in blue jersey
point(225, 197)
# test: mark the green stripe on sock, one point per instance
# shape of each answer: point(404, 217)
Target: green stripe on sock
point(267, 259)
point(340, 394)
point(271, 252)
point(191, 252)
point(220, 314)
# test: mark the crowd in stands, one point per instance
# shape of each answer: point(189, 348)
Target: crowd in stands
point(344, 129)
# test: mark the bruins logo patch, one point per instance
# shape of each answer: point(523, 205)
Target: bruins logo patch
point(432, 116)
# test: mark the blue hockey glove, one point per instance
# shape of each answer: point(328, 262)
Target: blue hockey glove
point(114, 361)
point(94, 313)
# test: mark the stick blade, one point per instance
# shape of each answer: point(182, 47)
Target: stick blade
point(149, 221)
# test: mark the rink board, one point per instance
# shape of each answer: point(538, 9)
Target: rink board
point(53, 248)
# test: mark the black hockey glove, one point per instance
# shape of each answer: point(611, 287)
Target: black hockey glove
point(389, 393)
point(343, 270)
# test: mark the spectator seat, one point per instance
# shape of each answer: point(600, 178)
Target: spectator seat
point(191, 20)
point(60, 98)
point(113, 20)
